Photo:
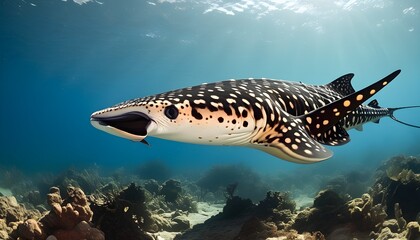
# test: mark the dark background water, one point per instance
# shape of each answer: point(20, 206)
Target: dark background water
point(60, 61)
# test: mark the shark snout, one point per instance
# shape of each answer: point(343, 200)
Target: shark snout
point(131, 125)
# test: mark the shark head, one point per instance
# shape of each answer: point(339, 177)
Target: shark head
point(187, 115)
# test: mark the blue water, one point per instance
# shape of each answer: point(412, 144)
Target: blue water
point(61, 60)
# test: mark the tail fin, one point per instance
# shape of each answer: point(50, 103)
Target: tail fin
point(391, 115)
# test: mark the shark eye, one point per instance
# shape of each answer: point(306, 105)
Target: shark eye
point(171, 112)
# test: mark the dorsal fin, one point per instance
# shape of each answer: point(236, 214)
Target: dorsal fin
point(322, 119)
point(342, 85)
point(374, 103)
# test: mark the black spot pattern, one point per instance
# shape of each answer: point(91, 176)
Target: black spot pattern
point(245, 124)
point(196, 114)
point(268, 100)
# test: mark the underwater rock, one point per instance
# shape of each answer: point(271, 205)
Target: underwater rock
point(81, 231)
point(11, 214)
point(68, 219)
point(328, 211)
point(185, 203)
point(413, 231)
point(66, 214)
point(4, 234)
point(225, 225)
point(327, 199)
point(152, 186)
point(276, 201)
point(368, 214)
point(171, 190)
point(4, 229)
point(241, 219)
point(392, 224)
point(292, 234)
point(162, 223)
point(364, 215)
point(254, 228)
point(391, 230)
point(124, 216)
point(215, 228)
point(398, 181)
point(277, 207)
point(398, 215)
point(176, 198)
point(157, 204)
point(30, 229)
point(236, 206)
point(181, 223)
point(357, 218)
point(230, 190)
point(10, 210)
point(331, 215)
point(386, 234)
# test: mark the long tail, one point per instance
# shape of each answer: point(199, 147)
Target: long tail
point(391, 115)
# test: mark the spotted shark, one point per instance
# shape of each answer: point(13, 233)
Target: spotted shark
point(290, 120)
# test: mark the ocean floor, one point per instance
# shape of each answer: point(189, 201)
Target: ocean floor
point(205, 211)
point(82, 204)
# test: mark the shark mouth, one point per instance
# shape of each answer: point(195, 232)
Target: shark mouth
point(131, 125)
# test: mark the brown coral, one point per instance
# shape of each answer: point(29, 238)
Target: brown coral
point(125, 216)
point(364, 214)
point(68, 219)
point(81, 231)
point(67, 214)
point(11, 214)
point(398, 181)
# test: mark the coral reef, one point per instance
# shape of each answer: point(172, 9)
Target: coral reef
point(176, 198)
point(125, 216)
point(241, 219)
point(327, 211)
point(388, 210)
point(398, 181)
point(364, 214)
point(135, 213)
point(68, 219)
point(278, 208)
point(236, 206)
point(11, 214)
point(171, 190)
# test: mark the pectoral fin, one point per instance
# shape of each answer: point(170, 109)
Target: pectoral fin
point(292, 143)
